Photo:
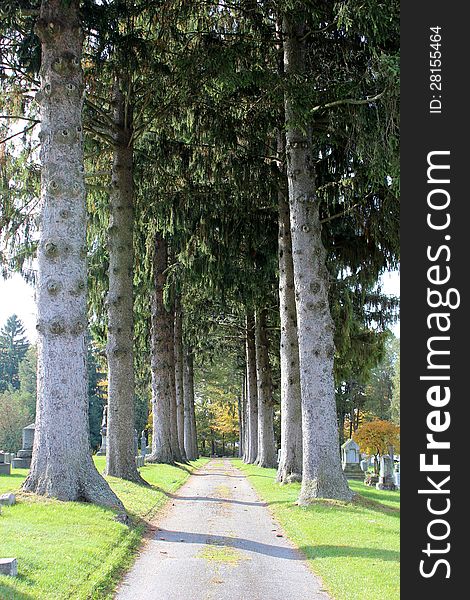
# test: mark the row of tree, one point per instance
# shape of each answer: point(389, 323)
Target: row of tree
point(238, 157)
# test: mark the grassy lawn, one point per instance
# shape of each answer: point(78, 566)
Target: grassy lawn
point(75, 550)
point(354, 547)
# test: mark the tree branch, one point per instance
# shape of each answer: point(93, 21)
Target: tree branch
point(347, 101)
point(19, 117)
point(10, 137)
point(346, 211)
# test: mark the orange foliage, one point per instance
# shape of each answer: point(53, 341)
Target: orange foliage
point(376, 437)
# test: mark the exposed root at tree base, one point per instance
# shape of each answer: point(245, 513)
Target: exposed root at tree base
point(86, 486)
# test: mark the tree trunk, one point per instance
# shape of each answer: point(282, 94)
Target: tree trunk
point(62, 466)
point(120, 459)
point(162, 360)
point(252, 393)
point(240, 423)
point(245, 415)
point(322, 475)
point(267, 455)
point(190, 435)
point(175, 447)
point(193, 408)
point(341, 418)
point(290, 463)
point(179, 378)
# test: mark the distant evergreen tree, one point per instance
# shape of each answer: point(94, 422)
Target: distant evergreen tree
point(96, 401)
point(380, 389)
point(27, 373)
point(395, 407)
point(13, 348)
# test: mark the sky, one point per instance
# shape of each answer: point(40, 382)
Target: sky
point(17, 297)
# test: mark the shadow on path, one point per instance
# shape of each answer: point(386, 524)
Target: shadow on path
point(210, 499)
point(230, 542)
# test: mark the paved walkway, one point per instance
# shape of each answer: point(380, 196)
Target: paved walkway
point(218, 541)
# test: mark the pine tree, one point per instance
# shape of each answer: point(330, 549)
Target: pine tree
point(62, 466)
point(13, 348)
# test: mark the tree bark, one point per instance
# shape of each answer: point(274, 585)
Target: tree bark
point(175, 448)
point(179, 377)
point(120, 455)
point(290, 463)
point(245, 415)
point(190, 434)
point(162, 360)
point(62, 466)
point(322, 475)
point(241, 425)
point(267, 454)
point(252, 393)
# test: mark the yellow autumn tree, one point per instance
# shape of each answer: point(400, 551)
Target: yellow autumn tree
point(377, 437)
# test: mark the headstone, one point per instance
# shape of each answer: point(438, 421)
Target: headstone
point(24, 456)
point(386, 476)
point(7, 499)
point(143, 444)
point(350, 460)
point(136, 443)
point(397, 472)
point(5, 467)
point(8, 457)
point(364, 464)
point(103, 431)
point(8, 566)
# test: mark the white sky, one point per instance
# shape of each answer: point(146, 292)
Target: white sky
point(391, 287)
point(17, 297)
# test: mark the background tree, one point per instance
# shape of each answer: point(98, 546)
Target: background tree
point(13, 417)
point(96, 397)
point(13, 348)
point(395, 407)
point(377, 438)
point(378, 393)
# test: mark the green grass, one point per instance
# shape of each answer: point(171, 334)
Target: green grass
point(75, 550)
point(354, 548)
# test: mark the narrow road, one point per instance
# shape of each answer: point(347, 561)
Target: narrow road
point(218, 541)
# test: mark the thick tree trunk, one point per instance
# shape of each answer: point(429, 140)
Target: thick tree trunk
point(322, 475)
point(120, 459)
point(179, 378)
point(290, 463)
point(252, 393)
point(267, 454)
point(190, 434)
point(62, 466)
point(162, 360)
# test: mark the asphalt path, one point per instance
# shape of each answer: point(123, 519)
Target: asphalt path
point(216, 540)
